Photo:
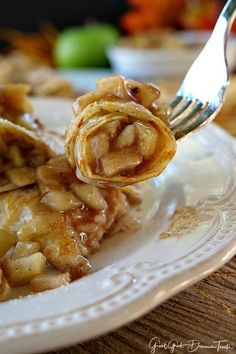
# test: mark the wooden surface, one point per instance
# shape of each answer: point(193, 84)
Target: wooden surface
point(205, 312)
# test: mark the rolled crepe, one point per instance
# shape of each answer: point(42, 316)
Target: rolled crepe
point(68, 217)
point(16, 107)
point(21, 151)
point(118, 135)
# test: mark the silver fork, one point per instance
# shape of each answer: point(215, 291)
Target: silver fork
point(202, 92)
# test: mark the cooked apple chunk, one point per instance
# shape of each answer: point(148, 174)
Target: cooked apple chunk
point(16, 156)
point(21, 271)
point(24, 249)
point(99, 144)
point(21, 176)
point(90, 195)
point(44, 282)
point(33, 229)
point(126, 137)
point(61, 200)
point(7, 240)
point(114, 85)
point(119, 161)
point(145, 94)
point(147, 138)
point(112, 127)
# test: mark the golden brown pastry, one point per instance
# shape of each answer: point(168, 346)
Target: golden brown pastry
point(21, 151)
point(60, 220)
point(119, 135)
point(16, 107)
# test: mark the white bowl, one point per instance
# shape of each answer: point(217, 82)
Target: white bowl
point(149, 63)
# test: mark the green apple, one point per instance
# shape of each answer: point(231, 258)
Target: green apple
point(84, 46)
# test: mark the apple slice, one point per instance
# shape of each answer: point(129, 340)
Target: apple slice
point(116, 162)
point(147, 138)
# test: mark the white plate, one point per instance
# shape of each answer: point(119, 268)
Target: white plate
point(133, 274)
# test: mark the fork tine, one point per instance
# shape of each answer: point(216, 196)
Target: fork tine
point(176, 101)
point(181, 109)
point(209, 112)
point(204, 81)
point(183, 121)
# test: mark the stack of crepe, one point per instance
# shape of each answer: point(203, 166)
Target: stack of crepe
point(56, 207)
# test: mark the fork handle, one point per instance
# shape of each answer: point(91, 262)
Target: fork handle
point(218, 40)
point(225, 20)
point(229, 13)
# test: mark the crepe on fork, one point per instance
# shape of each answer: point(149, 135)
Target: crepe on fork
point(119, 134)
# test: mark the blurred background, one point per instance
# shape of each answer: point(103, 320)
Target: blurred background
point(61, 48)
point(28, 14)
